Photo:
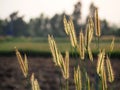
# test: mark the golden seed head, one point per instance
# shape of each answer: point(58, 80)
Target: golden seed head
point(23, 63)
point(91, 28)
point(66, 25)
point(64, 65)
point(78, 78)
point(97, 24)
point(90, 54)
point(69, 29)
point(67, 65)
point(89, 32)
point(90, 21)
point(103, 76)
point(72, 33)
point(87, 36)
point(101, 57)
point(58, 58)
point(34, 83)
point(54, 50)
point(26, 62)
point(112, 44)
point(82, 47)
point(109, 70)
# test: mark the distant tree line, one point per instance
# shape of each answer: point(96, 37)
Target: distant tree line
point(42, 26)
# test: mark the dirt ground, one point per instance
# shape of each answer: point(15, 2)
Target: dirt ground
point(11, 77)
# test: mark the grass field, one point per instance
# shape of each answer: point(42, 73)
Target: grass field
point(40, 45)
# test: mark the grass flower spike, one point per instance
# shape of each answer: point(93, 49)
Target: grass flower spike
point(91, 28)
point(82, 52)
point(101, 70)
point(23, 63)
point(101, 57)
point(112, 44)
point(103, 76)
point(78, 78)
point(34, 83)
point(89, 32)
point(67, 65)
point(70, 30)
point(97, 23)
point(109, 70)
point(89, 36)
point(90, 54)
point(72, 33)
point(64, 65)
point(54, 50)
point(58, 58)
point(66, 25)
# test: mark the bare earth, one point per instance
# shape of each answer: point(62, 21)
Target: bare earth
point(11, 77)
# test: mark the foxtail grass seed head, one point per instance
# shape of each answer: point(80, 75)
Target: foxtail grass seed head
point(54, 50)
point(89, 32)
point(101, 57)
point(69, 29)
point(90, 21)
point(112, 44)
point(23, 63)
point(97, 23)
point(103, 76)
point(66, 25)
point(109, 70)
point(64, 65)
point(87, 36)
point(91, 28)
point(77, 78)
point(82, 52)
point(90, 54)
point(58, 58)
point(34, 83)
point(72, 33)
point(67, 65)
point(26, 62)
point(88, 81)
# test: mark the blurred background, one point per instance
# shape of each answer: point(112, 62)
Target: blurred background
point(19, 18)
point(27, 23)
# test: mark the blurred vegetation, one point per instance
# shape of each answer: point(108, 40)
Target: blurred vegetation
point(41, 26)
point(39, 46)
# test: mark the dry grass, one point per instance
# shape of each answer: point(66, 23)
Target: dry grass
point(103, 71)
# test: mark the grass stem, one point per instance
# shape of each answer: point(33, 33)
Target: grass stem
point(67, 84)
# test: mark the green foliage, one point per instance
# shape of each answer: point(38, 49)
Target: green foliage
point(39, 46)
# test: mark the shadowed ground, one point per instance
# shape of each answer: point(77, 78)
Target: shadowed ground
point(11, 77)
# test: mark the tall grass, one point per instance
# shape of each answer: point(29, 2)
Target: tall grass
point(82, 81)
point(103, 73)
point(32, 83)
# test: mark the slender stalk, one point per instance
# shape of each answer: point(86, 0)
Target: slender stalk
point(60, 84)
point(67, 84)
point(111, 46)
point(98, 43)
point(97, 80)
point(28, 86)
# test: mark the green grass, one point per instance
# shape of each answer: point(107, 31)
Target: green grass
point(40, 45)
